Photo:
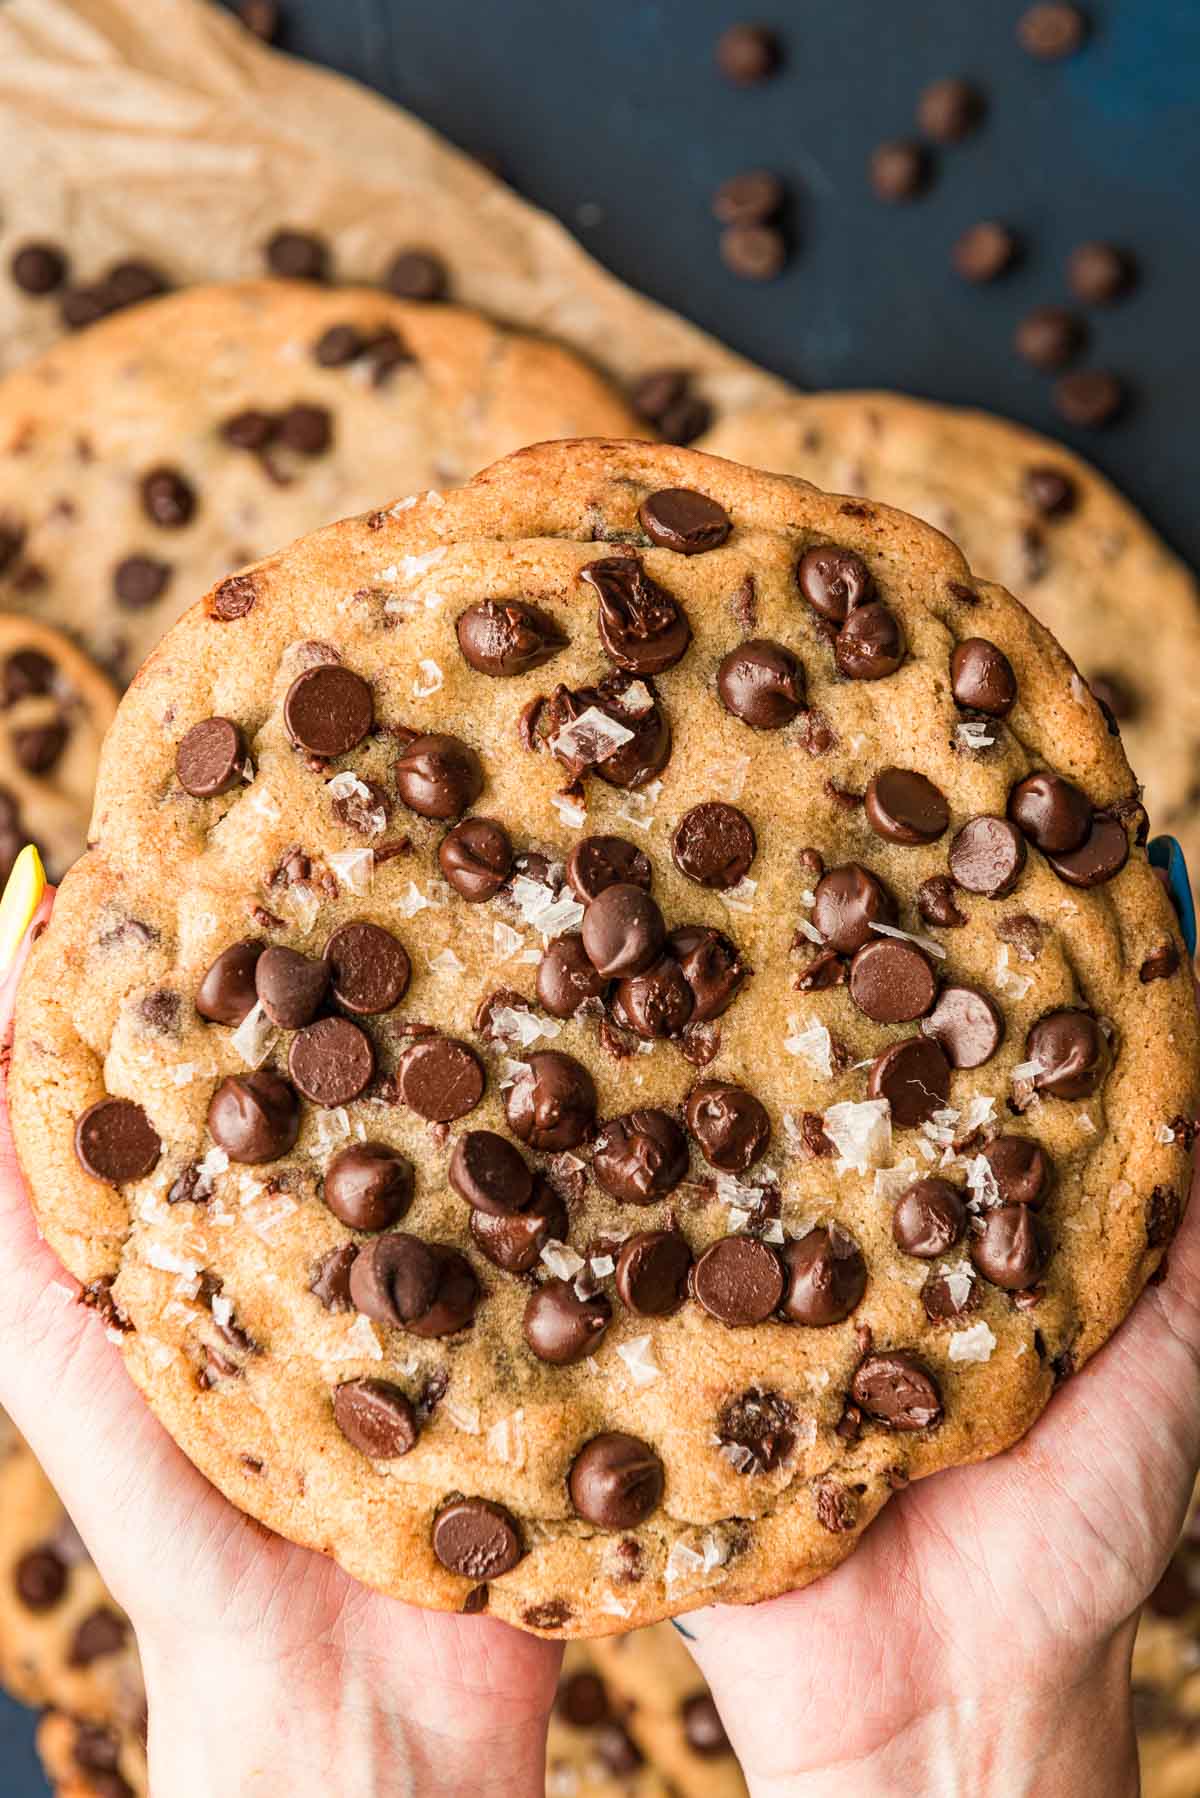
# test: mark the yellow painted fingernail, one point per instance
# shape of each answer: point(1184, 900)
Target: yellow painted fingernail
point(22, 896)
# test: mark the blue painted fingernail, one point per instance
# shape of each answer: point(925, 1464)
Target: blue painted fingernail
point(1165, 853)
point(685, 1633)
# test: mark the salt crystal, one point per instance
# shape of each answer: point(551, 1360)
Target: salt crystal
point(506, 1440)
point(432, 678)
point(1086, 1124)
point(411, 901)
point(445, 962)
point(1012, 984)
point(463, 1417)
point(974, 1344)
point(347, 785)
point(514, 1024)
point(814, 1043)
point(411, 568)
point(563, 1262)
point(810, 931)
point(564, 915)
point(638, 1356)
point(741, 897)
point(861, 1133)
point(973, 733)
point(570, 811)
point(260, 800)
point(254, 1036)
point(612, 1606)
point(774, 1232)
point(981, 1181)
point(354, 868)
point(683, 1563)
point(1026, 1070)
point(591, 738)
point(980, 1111)
point(505, 940)
point(183, 1074)
point(738, 1219)
point(266, 1212)
point(890, 1182)
point(305, 902)
point(222, 1310)
point(729, 776)
point(1164, 1134)
point(923, 942)
point(636, 699)
point(602, 1266)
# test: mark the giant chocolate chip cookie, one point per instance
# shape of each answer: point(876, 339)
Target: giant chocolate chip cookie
point(1032, 515)
point(167, 446)
point(614, 1017)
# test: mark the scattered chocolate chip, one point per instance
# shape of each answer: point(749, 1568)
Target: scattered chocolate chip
point(652, 1272)
point(598, 862)
point(914, 1077)
point(762, 683)
point(582, 1700)
point(329, 709)
point(306, 429)
point(1102, 855)
point(988, 856)
point(426, 1288)
point(899, 170)
point(985, 251)
point(561, 1327)
point(703, 1730)
point(330, 1283)
point(950, 109)
point(1090, 397)
point(38, 268)
point(751, 198)
point(26, 673)
point(905, 807)
point(656, 1003)
point(566, 978)
point(1098, 273)
point(747, 54)
point(1069, 1048)
point(615, 1481)
point(1021, 1169)
point(376, 1418)
point(1050, 491)
point(760, 1428)
point(892, 981)
point(552, 1106)
point(714, 845)
point(825, 1276)
point(515, 1241)
point(949, 1296)
point(982, 678)
point(331, 1062)
point(1054, 813)
point(898, 1390)
point(1049, 336)
point(1162, 1216)
point(477, 1539)
point(99, 1634)
point(417, 275)
point(506, 637)
point(730, 1125)
point(623, 931)
point(251, 429)
point(642, 627)
point(254, 1117)
point(211, 758)
point(438, 776)
point(234, 598)
point(336, 346)
point(116, 1142)
point(755, 252)
point(929, 1219)
point(368, 1185)
point(291, 987)
point(38, 747)
point(1160, 964)
point(967, 1024)
point(1051, 30)
point(489, 1173)
point(870, 645)
point(440, 1078)
point(227, 990)
point(369, 968)
point(847, 901)
point(261, 19)
point(476, 858)
point(640, 1157)
point(1011, 1249)
point(935, 902)
point(168, 500)
point(712, 967)
point(297, 256)
point(833, 581)
point(40, 1578)
point(683, 520)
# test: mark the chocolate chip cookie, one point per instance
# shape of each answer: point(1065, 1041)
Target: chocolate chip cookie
point(669, 1710)
point(55, 706)
point(590, 1750)
point(1044, 523)
point(1166, 1675)
point(63, 1641)
point(170, 444)
point(614, 1017)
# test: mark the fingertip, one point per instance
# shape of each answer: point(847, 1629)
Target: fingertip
point(22, 895)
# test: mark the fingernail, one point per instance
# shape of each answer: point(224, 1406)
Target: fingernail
point(1166, 853)
point(22, 896)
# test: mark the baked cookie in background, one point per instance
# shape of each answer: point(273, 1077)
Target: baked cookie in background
point(91, 1760)
point(55, 706)
point(1041, 521)
point(173, 442)
point(323, 1055)
point(1166, 1675)
point(590, 1750)
point(670, 1712)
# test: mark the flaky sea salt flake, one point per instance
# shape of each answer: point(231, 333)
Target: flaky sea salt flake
point(861, 1133)
point(354, 869)
point(254, 1036)
point(977, 1343)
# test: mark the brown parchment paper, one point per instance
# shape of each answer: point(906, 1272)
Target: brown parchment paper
point(162, 129)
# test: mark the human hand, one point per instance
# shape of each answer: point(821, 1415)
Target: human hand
point(269, 1671)
point(979, 1638)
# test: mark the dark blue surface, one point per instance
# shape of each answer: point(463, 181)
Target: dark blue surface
point(20, 1775)
point(609, 112)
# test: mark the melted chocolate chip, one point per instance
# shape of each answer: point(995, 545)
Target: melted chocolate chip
point(929, 1219)
point(368, 1185)
point(331, 1062)
point(904, 807)
point(870, 645)
point(623, 931)
point(825, 1276)
point(1054, 813)
point(116, 1142)
point(892, 982)
point(440, 1078)
point(935, 902)
point(982, 678)
point(762, 683)
point(1069, 1048)
point(681, 519)
point(438, 776)
point(561, 1327)
point(1021, 1169)
point(640, 1157)
point(729, 1124)
point(515, 1241)
point(598, 862)
point(712, 967)
point(642, 627)
point(760, 1427)
point(552, 1106)
point(714, 845)
point(329, 709)
point(426, 1288)
point(1011, 1250)
point(1101, 855)
point(655, 1004)
point(291, 987)
point(506, 637)
point(254, 1117)
point(476, 858)
point(967, 1023)
point(833, 581)
point(914, 1077)
point(652, 1272)
point(988, 856)
point(615, 1481)
point(898, 1390)
point(376, 1418)
point(477, 1539)
point(211, 758)
point(848, 900)
point(489, 1173)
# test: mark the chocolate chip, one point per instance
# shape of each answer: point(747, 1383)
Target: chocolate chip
point(904, 807)
point(368, 1185)
point(1098, 273)
point(598, 862)
point(898, 1390)
point(847, 901)
point(1021, 1169)
point(254, 1117)
point(476, 858)
point(329, 709)
point(899, 170)
point(291, 987)
point(306, 429)
point(1091, 397)
point(833, 581)
point(652, 1272)
point(615, 1481)
point(642, 628)
point(298, 256)
point(712, 967)
point(369, 969)
point(566, 978)
point(1050, 491)
point(561, 1327)
point(167, 498)
point(38, 268)
point(330, 1283)
point(1069, 1047)
point(929, 1219)
point(489, 1173)
point(1115, 697)
point(947, 1297)
point(755, 252)
point(338, 345)
point(100, 1633)
point(703, 1730)
point(159, 1011)
point(985, 251)
point(582, 1700)
point(227, 990)
point(762, 683)
point(438, 776)
point(637, 760)
point(730, 1125)
point(40, 1578)
point(935, 902)
point(1049, 336)
point(891, 981)
point(1101, 856)
point(515, 1242)
point(914, 1077)
point(210, 759)
point(116, 1142)
point(967, 1024)
point(440, 1078)
point(366, 809)
point(656, 1003)
point(681, 519)
point(37, 747)
point(477, 1539)
point(870, 645)
point(714, 845)
point(234, 598)
point(1011, 1250)
point(623, 931)
point(982, 678)
point(1054, 813)
point(760, 1426)
point(426, 1288)
point(26, 673)
point(1160, 964)
point(640, 1157)
point(260, 18)
point(376, 1418)
point(331, 1062)
point(988, 856)
point(950, 109)
point(417, 275)
point(748, 199)
point(251, 429)
point(825, 1276)
point(505, 637)
point(747, 54)
point(1051, 30)
point(552, 1105)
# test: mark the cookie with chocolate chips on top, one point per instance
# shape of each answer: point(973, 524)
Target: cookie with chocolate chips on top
point(591, 1750)
point(55, 706)
point(1037, 518)
point(1166, 1683)
point(168, 445)
point(669, 1710)
point(566, 1228)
